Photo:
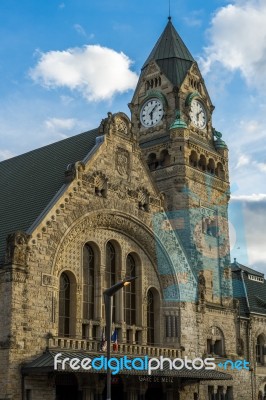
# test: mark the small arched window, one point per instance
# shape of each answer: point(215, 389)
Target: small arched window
point(164, 158)
point(215, 342)
point(193, 159)
point(88, 282)
point(202, 163)
point(219, 171)
point(152, 161)
point(130, 292)
point(64, 305)
point(211, 166)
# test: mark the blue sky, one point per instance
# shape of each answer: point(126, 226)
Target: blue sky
point(59, 62)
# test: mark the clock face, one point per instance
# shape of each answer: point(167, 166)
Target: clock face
point(198, 114)
point(151, 112)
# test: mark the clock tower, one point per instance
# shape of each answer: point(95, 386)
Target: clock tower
point(172, 119)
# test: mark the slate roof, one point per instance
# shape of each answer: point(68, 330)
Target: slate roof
point(250, 293)
point(172, 55)
point(45, 363)
point(29, 182)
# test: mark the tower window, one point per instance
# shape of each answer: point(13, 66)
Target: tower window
point(164, 158)
point(193, 159)
point(152, 161)
point(202, 163)
point(209, 226)
point(211, 166)
point(219, 171)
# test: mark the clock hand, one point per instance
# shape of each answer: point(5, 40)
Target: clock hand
point(156, 105)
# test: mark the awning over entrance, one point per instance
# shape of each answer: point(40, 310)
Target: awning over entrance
point(45, 364)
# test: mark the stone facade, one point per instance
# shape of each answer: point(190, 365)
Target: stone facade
point(164, 202)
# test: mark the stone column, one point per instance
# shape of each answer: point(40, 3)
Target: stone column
point(132, 394)
point(224, 391)
point(169, 395)
point(215, 390)
point(87, 394)
point(143, 386)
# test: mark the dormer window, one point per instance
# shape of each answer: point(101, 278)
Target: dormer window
point(256, 278)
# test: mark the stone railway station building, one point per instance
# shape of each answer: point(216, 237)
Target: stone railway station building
point(146, 197)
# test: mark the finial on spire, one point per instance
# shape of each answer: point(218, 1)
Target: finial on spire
point(169, 16)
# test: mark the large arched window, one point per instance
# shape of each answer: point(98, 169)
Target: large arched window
point(130, 292)
point(64, 305)
point(150, 318)
point(110, 271)
point(88, 282)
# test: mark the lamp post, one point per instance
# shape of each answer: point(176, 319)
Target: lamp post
point(108, 300)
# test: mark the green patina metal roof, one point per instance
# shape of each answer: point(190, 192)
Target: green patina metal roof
point(172, 55)
point(29, 182)
point(178, 122)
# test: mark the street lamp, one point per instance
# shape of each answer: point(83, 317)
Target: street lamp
point(108, 300)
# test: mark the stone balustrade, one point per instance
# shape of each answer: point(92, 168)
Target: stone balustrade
point(123, 348)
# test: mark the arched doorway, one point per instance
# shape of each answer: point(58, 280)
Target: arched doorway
point(67, 387)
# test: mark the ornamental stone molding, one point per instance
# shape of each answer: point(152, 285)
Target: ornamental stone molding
point(17, 248)
point(163, 248)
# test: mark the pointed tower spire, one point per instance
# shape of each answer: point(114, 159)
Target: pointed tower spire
point(172, 55)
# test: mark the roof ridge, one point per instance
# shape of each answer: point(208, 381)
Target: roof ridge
point(247, 269)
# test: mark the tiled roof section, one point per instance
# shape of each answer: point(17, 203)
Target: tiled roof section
point(172, 55)
point(236, 266)
point(239, 293)
point(250, 293)
point(46, 363)
point(154, 142)
point(256, 295)
point(28, 182)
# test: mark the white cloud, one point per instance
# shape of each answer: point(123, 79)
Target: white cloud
point(261, 166)
point(66, 100)
point(255, 220)
point(60, 123)
point(255, 197)
point(238, 40)
point(243, 160)
point(98, 73)
point(80, 30)
point(5, 154)
point(194, 19)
